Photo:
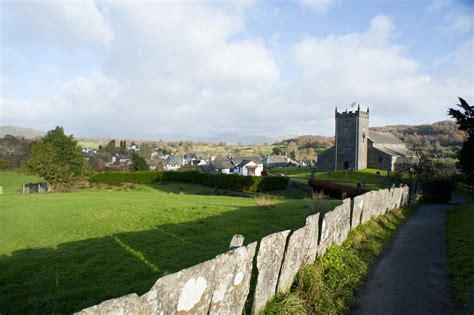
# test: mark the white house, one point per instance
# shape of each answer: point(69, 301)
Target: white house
point(249, 168)
point(172, 163)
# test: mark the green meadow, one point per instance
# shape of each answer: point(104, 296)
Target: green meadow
point(61, 252)
point(302, 174)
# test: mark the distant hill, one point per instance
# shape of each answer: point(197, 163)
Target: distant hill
point(309, 141)
point(445, 132)
point(27, 133)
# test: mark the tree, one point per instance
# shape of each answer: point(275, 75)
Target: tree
point(57, 158)
point(277, 151)
point(465, 120)
point(145, 151)
point(111, 148)
point(139, 163)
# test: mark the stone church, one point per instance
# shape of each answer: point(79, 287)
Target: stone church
point(359, 148)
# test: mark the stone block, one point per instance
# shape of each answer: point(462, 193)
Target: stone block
point(219, 285)
point(269, 261)
point(310, 246)
point(188, 291)
point(293, 259)
point(236, 241)
point(357, 209)
point(234, 270)
point(128, 304)
point(335, 226)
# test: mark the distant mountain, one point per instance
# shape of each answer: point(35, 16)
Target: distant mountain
point(227, 137)
point(27, 133)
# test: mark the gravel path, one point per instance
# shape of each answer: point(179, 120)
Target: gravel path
point(411, 276)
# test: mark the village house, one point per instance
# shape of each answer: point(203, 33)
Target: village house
point(249, 168)
point(173, 163)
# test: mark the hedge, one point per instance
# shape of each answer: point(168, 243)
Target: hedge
point(335, 190)
point(221, 181)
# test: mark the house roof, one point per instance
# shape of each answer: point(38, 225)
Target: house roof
point(275, 159)
point(238, 159)
point(383, 137)
point(174, 160)
point(245, 162)
point(222, 164)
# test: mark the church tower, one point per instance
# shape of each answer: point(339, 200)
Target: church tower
point(352, 131)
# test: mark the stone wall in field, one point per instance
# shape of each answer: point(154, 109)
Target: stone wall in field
point(222, 285)
point(35, 188)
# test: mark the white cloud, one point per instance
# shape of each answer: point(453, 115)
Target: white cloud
point(187, 68)
point(63, 22)
point(369, 68)
point(318, 6)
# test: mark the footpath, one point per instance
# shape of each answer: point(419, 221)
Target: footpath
point(411, 276)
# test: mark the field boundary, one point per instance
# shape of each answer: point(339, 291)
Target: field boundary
point(222, 284)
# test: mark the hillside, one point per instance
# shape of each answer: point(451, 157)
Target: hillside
point(27, 133)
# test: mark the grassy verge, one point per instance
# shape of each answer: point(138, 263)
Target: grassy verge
point(460, 252)
point(328, 285)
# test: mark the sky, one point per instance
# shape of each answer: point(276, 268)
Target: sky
point(145, 69)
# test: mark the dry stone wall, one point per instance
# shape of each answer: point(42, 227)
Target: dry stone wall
point(270, 256)
point(336, 226)
point(221, 285)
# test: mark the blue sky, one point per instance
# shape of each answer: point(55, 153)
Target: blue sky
point(145, 69)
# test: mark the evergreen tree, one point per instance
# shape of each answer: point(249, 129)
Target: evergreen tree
point(465, 120)
point(139, 163)
point(57, 158)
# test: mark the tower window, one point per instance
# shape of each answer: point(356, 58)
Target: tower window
point(345, 150)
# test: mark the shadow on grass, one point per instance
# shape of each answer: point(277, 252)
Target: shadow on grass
point(79, 274)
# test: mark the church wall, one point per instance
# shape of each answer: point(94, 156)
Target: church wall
point(379, 160)
point(325, 161)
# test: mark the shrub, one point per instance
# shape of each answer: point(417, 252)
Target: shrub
point(335, 190)
point(115, 178)
point(264, 201)
point(269, 183)
point(221, 181)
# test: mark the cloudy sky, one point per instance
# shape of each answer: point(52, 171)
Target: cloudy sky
point(148, 68)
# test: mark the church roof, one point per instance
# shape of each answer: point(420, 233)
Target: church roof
point(394, 151)
point(383, 137)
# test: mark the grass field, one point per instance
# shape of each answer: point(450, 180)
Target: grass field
point(61, 252)
point(460, 252)
point(302, 174)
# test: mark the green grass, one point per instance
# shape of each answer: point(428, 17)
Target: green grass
point(12, 181)
point(460, 252)
point(368, 175)
point(302, 174)
point(328, 285)
point(61, 252)
point(88, 144)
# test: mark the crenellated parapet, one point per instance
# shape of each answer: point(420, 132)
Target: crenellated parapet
point(353, 113)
